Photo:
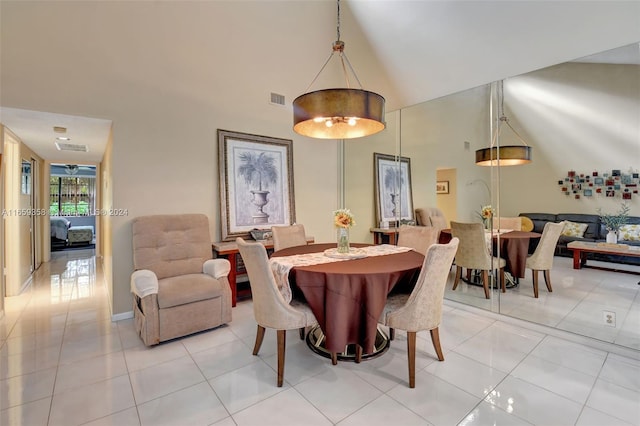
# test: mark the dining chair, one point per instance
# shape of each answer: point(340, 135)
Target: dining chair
point(473, 253)
point(422, 309)
point(288, 236)
point(513, 223)
point(419, 238)
point(542, 257)
point(269, 307)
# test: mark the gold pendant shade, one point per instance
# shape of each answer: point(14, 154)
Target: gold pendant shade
point(338, 113)
point(510, 155)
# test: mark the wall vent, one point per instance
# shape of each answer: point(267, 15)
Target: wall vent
point(71, 147)
point(277, 99)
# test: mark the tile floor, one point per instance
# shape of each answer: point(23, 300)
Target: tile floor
point(63, 362)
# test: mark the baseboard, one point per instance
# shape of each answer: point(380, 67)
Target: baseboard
point(122, 316)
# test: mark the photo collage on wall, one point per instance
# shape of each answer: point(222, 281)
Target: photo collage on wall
point(611, 184)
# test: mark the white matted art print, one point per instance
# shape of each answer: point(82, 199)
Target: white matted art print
point(256, 183)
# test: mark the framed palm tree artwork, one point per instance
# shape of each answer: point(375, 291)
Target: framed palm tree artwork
point(256, 183)
point(392, 186)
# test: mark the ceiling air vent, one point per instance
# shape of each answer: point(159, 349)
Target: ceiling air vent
point(71, 147)
point(277, 99)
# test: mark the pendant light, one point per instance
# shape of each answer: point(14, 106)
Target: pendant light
point(509, 155)
point(340, 113)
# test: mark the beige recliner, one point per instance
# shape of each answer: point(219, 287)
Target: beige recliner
point(178, 288)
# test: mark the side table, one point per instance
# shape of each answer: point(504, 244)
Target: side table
point(229, 250)
point(384, 235)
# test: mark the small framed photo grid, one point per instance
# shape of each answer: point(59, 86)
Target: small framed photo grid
point(610, 184)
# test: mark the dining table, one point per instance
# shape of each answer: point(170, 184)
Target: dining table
point(348, 296)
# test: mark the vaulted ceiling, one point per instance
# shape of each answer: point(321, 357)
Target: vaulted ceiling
point(60, 60)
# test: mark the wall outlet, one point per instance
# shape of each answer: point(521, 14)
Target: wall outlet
point(609, 318)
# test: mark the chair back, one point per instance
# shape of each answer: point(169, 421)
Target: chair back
point(513, 223)
point(269, 307)
point(423, 309)
point(288, 236)
point(542, 257)
point(473, 252)
point(419, 238)
point(431, 216)
point(171, 245)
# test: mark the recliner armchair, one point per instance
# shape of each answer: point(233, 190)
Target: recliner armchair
point(178, 288)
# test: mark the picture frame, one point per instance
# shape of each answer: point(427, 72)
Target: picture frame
point(392, 188)
point(256, 183)
point(442, 187)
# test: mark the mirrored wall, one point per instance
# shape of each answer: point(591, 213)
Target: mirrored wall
point(582, 115)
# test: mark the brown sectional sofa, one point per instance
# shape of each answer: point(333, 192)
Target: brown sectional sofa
point(595, 232)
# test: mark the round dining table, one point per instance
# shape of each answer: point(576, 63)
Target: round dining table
point(347, 297)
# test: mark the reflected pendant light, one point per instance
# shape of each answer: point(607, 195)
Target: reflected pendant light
point(340, 113)
point(508, 155)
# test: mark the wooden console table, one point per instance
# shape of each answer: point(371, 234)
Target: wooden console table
point(229, 251)
point(384, 235)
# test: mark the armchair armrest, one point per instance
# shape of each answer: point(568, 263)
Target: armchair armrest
point(144, 282)
point(217, 268)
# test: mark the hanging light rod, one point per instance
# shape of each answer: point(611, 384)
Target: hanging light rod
point(340, 113)
point(508, 155)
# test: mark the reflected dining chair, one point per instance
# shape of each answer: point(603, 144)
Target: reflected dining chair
point(419, 238)
point(269, 307)
point(542, 257)
point(473, 253)
point(288, 236)
point(422, 309)
point(513, 223)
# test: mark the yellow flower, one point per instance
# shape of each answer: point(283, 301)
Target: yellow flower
point(343, 218)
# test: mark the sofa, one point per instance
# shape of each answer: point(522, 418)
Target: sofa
point(595, 232)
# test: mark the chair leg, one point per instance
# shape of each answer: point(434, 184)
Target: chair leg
point(282, 343)
point(469, 274)
point(458, 275)
point(435, 339)
point(547, 280)
point(485, 283)
point(392, 333)
point(502, 280)
point(411, 357)
point(358, 354)
point(334, 358)
point(302, 330)
point(534, 274)
point(259, 339)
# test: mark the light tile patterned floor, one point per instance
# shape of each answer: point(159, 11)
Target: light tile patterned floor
point(63, 362)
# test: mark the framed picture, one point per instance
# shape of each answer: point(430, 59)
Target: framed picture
point(256, 183)
point(442, 187)
point(392, 186)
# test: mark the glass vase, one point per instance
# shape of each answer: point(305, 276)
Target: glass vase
point(488, 223)
point(343, 240)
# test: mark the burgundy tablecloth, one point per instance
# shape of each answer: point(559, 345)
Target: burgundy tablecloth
point(348, 297)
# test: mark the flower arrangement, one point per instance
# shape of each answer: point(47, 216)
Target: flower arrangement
point(486, 212)
point(343, 218)
point(613, 222)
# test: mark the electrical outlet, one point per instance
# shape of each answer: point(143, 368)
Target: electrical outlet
point(609, 318)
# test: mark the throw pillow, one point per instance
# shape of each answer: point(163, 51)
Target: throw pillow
point(573, 229)
point(527, 224)
point(629, 233)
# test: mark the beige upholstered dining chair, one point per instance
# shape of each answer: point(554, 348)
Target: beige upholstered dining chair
point(422, 309)
point(474, 254)
point(431, 216)
point(269, 307)
point(178, 289)
point(542, 257)
point(419, 238)
point(288, 236)
point(513, 223)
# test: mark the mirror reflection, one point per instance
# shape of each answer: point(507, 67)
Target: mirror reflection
point(580, 117)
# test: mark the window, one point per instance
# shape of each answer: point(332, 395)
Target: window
point(71, 196)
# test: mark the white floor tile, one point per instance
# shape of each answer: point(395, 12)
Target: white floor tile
point(128, 417)
point(489, 414)
point(616, 401)
point(591, 417)
point(384, 411)
point(34, 413)
point(26, 388)
point(163, 379)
